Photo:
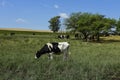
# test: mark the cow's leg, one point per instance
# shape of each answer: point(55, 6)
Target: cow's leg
point(50, 56)
point(65, 55)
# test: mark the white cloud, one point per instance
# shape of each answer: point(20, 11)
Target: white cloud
point(63, 15)
point(56, 6)
point(20, 20)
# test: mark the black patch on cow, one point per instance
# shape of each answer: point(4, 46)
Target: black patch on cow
point(48, 49)
point(42, 51)
point(55, 48)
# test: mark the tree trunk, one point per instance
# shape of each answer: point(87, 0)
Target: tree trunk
point(98, 37)
point(85, 37)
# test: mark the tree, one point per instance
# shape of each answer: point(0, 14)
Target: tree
point(89, 24)
point(118, 26)
point(54, 24)
point(97, 24)
point(71, 22)
point(84, 25)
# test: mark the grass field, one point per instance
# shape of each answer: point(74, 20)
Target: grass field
point(88, 60)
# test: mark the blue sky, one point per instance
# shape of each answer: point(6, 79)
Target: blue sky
point(35, 14)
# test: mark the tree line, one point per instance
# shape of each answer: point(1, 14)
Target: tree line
point(88, 25)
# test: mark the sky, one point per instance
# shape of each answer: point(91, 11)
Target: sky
point(35, 14)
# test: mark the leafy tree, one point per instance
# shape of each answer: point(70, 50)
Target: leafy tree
point(54, 24)
point(118, 25)
point(84, 24)
point(97, 24)
point(71, 22)
point(89, 24)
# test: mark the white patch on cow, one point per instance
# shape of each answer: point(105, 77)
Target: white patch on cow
point(63, 46)
point(50, 46)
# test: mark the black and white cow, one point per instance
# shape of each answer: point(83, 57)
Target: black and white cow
point(60, 36)
point(54, 48)
point(63, 36)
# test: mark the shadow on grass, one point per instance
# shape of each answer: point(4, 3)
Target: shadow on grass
point(101, 41)
point(107, 41)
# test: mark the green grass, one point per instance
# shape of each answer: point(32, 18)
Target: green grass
point(88, 61)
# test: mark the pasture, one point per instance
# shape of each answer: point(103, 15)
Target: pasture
point(87, 61)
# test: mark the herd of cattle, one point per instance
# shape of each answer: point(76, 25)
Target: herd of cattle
point(56, 48)
point(67, 36)
point(61, 47)
point(76, 36)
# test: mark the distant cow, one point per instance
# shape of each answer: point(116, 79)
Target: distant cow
point(54, 48)
point(76, 36)
point(60, 36)
point(67, 36)
point(63, 36)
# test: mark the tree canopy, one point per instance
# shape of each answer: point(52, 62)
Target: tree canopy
point(88, 24)
point(118, 25)
point(54, 24)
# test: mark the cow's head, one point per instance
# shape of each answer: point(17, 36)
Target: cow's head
point(38, 54)
point(43, 50)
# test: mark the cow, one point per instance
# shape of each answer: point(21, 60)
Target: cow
point(67, 36)
point(63, 36)
point(60, 36)
point(76, 36)
point(54, 48)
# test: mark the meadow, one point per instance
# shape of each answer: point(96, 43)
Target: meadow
point(87, 61)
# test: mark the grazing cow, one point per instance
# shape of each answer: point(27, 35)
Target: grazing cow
point(63, 36)
point(67, 36)
point(54, 48)
point(76, 36)
point(60, 36)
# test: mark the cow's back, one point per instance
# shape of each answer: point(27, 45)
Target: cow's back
point(55, 47)
point(63, 45)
